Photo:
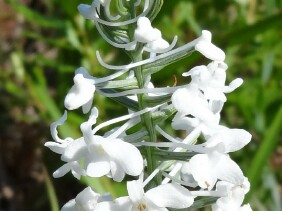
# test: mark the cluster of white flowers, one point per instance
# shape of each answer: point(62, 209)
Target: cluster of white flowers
point(187, 169)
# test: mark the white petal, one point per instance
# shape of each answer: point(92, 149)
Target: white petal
point(186, 174)
point(89, 138)
point(98, 169)
point(69, 206)
point(182, 98)
point(108, 206)
point(195, 71)
point(170, 195)
point(94, 114)
point(212, 93)
point(206, 36)
point(145, 32)
point(226, 169)
point(77, 171)
point(87, 198)
point(87, 106)
point(135, 191)
point(218, 72)
point(210, 51)
point(224, 187)
point(123, 204)
point(56, 147)
point(238, 195)
point(97, 165)
point(105, 197)
point(246, 185)
point(120, 151)
point(203, 170)
point(157, 209)
point(234, 139)
point(233, 201)
point(231, 139)
point(117, 172)
point(226, 204)
point(75, 150)
point(87, 11)
point(81, 92)
point(158, 44)
point(62, 170)
point(54, 125)
point(233, 85)
point(185, 123)
point(216, 106)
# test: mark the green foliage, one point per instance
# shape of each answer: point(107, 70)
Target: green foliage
point(249, 31)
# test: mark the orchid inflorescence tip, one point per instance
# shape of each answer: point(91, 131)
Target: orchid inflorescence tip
point(170, 172)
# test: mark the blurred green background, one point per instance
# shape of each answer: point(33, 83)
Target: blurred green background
point(42, 42)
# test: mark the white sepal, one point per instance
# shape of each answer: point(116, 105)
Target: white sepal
point(145, 32)
point(82, 92)
point(170, 195)
point(209, 50)
point(207, 168)
point(87, 11)
point(229, 140)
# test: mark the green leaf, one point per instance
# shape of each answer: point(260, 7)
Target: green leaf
point(54, 204)
point(37, 18)
point(57, 42)
point(249, 32)
point(73, 37)
point(267, 66)
point(267, 147)
point(43, 100)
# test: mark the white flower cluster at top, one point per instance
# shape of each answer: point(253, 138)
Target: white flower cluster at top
point(178, 169)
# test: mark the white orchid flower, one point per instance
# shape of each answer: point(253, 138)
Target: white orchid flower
point(90, 11)
point(226, 187)
point(155, 199)
point(186, 175)
point(86, 200)
point(158, 44)
point(190, 101)
point(73, 167)
point(208, 168)
point(82, 92)
point(211, 80)
point(110, 156)
point(209, 50)
point(144, 32)
point(188, 124)
point(63, 147)
point(234, 196)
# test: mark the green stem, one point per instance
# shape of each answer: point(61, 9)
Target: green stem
point(146, 118)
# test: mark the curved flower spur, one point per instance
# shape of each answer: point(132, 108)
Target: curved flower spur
point(167, 172)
